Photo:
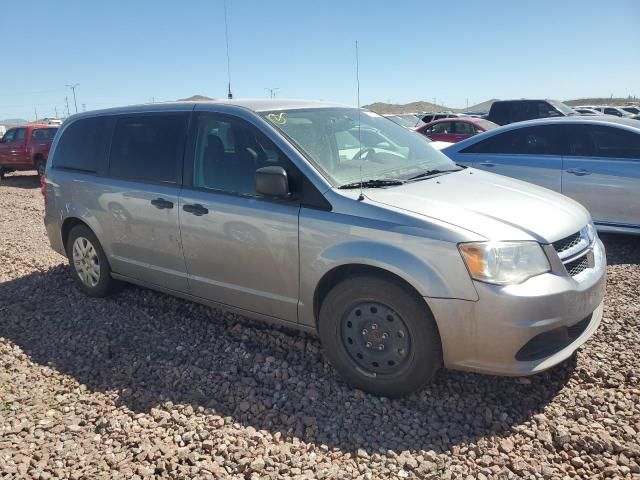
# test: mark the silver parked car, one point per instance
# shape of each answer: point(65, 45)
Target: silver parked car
point(594, 160)
point(287, 211)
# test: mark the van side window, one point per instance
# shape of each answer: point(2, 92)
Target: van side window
point(82, 146)
point(148, 147)
point(228, 152)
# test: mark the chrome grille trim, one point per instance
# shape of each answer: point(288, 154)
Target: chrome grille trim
point(572, 245)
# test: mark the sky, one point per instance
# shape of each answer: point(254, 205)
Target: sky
point(137, 51)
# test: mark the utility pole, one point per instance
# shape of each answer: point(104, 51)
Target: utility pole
point(66, 100)
point(56, 110)
point(272, 91)
point(73, 88)
point(467, 104)
point(36, 112)
point(84, 107)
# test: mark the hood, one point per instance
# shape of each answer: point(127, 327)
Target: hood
point(493, 206)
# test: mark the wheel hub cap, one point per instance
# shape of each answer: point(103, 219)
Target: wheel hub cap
point(375, 337)
point(86, 262)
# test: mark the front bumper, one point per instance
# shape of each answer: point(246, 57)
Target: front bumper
point(491, 334)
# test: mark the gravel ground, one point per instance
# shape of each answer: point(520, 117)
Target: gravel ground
point(144, 385)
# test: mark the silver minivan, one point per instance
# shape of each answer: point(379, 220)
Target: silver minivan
point(330, 219)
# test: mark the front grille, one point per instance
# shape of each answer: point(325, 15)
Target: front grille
point(577, 266)
point(566, 243)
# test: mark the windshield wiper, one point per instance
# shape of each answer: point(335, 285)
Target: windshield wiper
point(430, 173)
point(372, 183)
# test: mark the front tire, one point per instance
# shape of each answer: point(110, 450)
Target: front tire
point(89, 265)
point(40, 165)
point(380, 336)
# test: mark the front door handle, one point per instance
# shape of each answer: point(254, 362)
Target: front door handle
point(196, 209)
point(579, 171)
point(487, 164)
point(161, 203)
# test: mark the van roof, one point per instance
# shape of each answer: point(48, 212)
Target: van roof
point(256, 105)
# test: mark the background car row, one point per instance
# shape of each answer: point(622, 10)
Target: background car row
point(594, 160)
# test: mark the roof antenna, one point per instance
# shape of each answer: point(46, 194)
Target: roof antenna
point(226, 38)
point(361, 196)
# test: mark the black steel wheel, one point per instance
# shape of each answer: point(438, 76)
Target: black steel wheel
point(376, 338)
point(379, 335)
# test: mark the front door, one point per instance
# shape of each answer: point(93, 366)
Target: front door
point(602, 172)
point(13, 149)
point(240, 249)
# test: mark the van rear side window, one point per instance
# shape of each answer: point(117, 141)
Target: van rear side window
point(83, 146)
point(148, 147)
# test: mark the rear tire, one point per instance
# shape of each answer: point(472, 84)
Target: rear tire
point(40, 165)
point(89, 265)
point(380, 336)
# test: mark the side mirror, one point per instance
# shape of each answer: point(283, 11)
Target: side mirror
point(272, 182)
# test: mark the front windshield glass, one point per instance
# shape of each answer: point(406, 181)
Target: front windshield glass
point(329, 137)
point(562, 107)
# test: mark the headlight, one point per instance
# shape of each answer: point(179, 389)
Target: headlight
point(504, 263)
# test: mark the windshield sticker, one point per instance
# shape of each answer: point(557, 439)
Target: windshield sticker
point(278, 118)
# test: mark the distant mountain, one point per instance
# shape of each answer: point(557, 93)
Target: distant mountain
point(413, 107)
point(479, 107)
point(10, 122)
point(195, 98)
point(602, 101)
point(422, 106)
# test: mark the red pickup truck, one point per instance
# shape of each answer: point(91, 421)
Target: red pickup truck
point(26, 148)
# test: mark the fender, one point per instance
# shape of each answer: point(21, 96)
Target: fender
point(80, 212)
point(429, 279)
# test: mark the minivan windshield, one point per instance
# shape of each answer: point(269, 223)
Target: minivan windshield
point(340, 144)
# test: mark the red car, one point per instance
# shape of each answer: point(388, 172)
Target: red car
point(26, 148)
point(455, 129)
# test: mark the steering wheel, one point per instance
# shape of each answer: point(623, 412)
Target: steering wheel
point(363, 153)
